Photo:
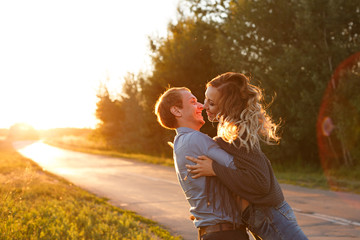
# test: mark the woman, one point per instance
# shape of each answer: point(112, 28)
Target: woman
point(236, 104)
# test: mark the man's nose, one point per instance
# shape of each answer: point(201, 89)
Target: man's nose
point(200, 105)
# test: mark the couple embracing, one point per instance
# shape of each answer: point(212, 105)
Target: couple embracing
point(228, 181)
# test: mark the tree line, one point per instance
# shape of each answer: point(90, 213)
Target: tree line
point(288, 48)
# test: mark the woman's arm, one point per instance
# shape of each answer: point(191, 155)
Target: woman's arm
point(243, 181)
point(202, 168)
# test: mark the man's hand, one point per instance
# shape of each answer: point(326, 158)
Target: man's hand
point(202, 168)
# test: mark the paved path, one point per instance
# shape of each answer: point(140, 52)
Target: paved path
point(153, 192)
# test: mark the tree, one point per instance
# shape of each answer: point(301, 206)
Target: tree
point(21, 132)
point(110, 113)
point(289, 48)
point(183, 58)
point(339, 116)
point(133, 127)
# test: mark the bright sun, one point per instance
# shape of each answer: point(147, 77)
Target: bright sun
point(49, 109)
point(55, 54)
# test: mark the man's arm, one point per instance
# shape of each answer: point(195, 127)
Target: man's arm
point(204, 145)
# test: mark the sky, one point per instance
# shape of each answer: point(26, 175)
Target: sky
point(55, 54)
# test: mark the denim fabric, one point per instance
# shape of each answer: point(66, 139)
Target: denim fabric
point(273, 223)
point(189, 142)
point(226, 235)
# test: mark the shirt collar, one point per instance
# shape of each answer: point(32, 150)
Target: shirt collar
point(181, 130)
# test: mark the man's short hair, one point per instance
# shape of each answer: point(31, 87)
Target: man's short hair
point(168, 99)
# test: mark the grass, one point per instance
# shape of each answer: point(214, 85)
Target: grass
point(347, 180)
point(342, 179)
point(35, 204)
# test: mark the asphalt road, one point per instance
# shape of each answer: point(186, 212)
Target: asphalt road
point(153, 192)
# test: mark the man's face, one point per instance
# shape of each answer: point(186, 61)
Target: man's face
point(191, 111)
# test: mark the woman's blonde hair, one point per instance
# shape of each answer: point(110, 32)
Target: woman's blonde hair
point(241, 114)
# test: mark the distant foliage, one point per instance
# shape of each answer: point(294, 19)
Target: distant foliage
point(110, 113)
point(288, 48)
point(126, 124)
point(346, 116)
point(21, 132)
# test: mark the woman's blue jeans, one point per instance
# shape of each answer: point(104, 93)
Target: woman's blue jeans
point(272, 223)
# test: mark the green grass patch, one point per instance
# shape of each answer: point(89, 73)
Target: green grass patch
point(343, 179)
point(38, 205)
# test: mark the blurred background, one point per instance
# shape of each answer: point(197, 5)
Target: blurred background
point(88, 72)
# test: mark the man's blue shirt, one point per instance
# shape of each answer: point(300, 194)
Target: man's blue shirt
point(189, 142)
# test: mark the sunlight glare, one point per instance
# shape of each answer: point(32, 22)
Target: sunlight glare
point(55, 54)
point(45, 156)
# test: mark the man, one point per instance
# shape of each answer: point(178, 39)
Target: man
point(178, 109)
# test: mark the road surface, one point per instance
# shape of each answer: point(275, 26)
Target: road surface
point(153, 192)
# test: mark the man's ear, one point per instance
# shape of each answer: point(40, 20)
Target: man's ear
point(175, 111)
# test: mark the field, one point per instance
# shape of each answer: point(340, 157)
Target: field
point(35, 204)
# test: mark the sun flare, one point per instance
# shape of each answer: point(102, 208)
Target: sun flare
point(52, 65)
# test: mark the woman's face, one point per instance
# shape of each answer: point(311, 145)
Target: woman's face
point(212, 96)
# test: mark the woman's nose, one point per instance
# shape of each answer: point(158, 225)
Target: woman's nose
point(206, 105)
